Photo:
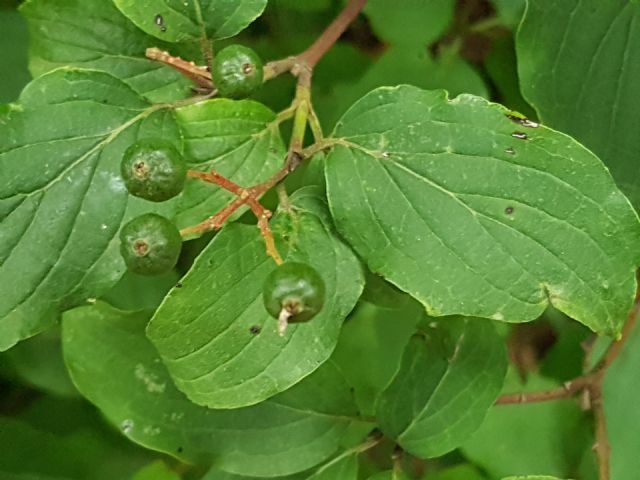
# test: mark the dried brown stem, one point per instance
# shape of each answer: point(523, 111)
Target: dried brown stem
point(616, 347)
point(301, 109)
point(568, 390)
point(601, 445)
point(199, 75)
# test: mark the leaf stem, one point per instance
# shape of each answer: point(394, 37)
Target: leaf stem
point(372, 440)
point(568, 390)
point(312, 55)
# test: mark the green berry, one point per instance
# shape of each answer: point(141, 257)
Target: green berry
point(150, 244)
point(295, 288)
point(236, 71)
point(154, 170)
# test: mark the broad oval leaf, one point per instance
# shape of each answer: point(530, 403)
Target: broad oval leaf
point(62, 200)
point(450, 376)
point(475, 211)
point(579, 63)
point(418, 22)
point(182, 20)
point(96, 35)
point(116, 368)
point(213, 333)
point(239, 139)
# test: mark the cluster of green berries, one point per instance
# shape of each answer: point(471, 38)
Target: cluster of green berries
point(155, 170)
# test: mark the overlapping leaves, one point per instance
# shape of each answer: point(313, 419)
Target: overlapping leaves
point(96, 35)
point(115, 367)
point(450, 375)
point(181, 20)
point(62, 200)
point(239, 139)
point(214, 334)
point(579, 61)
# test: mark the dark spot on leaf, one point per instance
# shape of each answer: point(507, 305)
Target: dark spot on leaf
point(255, 329)
point(520, 135)
point(179, 285)
point(508, 210)
point(525, 122)
point(179, 449)
point(159, 21)
point(386, 154)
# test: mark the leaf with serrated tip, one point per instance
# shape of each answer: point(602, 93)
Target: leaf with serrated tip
point(475, 211)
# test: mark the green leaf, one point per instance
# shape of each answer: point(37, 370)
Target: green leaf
point(501, 65)
point(579, 61)
point(621, 393)
point(547, 438)
point(222, 364)
point(416, 23)
point(182, 20)
point(239, 139)
point(459, 472)
point(116, 368)
point(370, 348)
point(450, 376)
point(157, 470)
point(450, 202)
point(345, 468)
point(96, 35)
point(412, 66)
point(38, 362)
point(215, 474)
point(510, 12)
point(391, 475)
point(62, 200)
point(13, 44)
point(137, 292)
point(532, 477)
point(68, 441)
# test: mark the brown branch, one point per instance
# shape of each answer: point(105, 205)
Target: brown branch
point(616, 347)
point(312, 55)
point(568, 390)
point(592, 383)
point(601, 446)
point(199, 75)
point(218, 179)
point(215, 222)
